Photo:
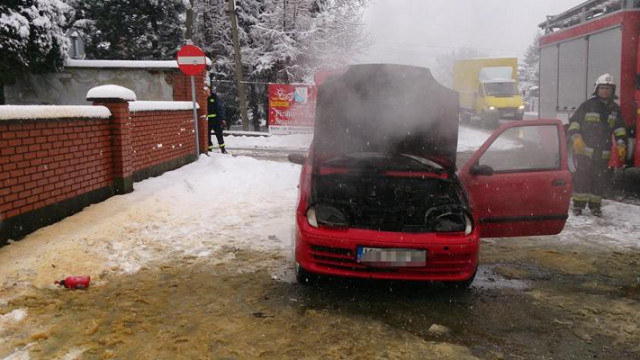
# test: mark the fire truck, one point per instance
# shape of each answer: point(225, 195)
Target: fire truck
point(582, 43)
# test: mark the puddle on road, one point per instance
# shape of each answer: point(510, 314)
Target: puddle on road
point(487, 278)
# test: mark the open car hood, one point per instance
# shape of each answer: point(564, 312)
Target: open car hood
point(379, 108)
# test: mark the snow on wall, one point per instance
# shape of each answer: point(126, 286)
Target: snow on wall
point(142, 64)
point(16, 112)
point(111, 92)
point(136, 106)
point(70, 87)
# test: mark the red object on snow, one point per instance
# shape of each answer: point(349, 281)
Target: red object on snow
point(75, 282)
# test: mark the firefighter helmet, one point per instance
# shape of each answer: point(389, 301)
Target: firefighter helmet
point(604, 79)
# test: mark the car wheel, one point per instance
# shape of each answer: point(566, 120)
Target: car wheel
point(303, 276)
point(464, 284)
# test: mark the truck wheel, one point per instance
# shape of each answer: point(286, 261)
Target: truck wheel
point(489, 121)
point(465, 118)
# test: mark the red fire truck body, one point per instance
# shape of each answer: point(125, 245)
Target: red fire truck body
point(582, 43)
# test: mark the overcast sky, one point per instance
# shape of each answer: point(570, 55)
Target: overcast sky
point(415, 31)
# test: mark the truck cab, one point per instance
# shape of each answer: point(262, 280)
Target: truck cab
point(488, 90)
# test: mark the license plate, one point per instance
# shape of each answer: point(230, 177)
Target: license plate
point(505, 114)
point(391, 257)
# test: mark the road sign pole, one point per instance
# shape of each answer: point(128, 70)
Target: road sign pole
point(195, 115)
point(191, 61)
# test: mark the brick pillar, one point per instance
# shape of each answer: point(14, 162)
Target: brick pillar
point(182, 92)
point(121, 133)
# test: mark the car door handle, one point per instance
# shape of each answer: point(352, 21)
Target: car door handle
point(559, 182)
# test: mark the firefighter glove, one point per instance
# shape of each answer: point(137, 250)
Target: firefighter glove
point(622, 150)
point(579, 145)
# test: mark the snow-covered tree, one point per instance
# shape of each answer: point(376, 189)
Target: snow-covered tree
point(529, 69)
point(336, 35)
point(443, 70)
point(293, 38)
point(131, 29)
point(212, 33)
point(281, 40)
point(32, 36)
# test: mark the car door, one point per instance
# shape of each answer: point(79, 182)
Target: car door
point(518, 181)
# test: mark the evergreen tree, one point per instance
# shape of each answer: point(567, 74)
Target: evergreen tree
point(32, 37)
point(212, 33)
point(529, 69)
point(282, 41)
point(131, 29)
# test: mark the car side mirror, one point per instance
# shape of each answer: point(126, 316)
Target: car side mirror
point(297, 158)
point(485, 170)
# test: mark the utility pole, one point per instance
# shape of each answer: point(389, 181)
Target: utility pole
point(239, 76)
point(189, 22)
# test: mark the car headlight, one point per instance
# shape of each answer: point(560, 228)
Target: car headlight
point(521, 107)
point(327, 216)
point(492, 107)
point(449, 219)
point(311, 217)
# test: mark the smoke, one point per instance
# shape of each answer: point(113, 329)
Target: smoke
point(387, 109)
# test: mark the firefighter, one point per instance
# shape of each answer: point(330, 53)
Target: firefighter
point(591, 129)
point(216, 120)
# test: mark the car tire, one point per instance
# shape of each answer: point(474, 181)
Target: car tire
point(464, 284)
point(303, 277)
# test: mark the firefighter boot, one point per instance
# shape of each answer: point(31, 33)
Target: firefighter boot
point(596, 212)
point(222, 149)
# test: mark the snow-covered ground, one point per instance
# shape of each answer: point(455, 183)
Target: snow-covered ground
point(216, 203)
point(212, 207)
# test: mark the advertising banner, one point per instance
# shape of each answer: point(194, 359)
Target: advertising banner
point(291, 108)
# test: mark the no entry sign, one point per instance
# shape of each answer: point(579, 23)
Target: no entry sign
point(191, 60)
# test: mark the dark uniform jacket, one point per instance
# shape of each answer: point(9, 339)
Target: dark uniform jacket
point(597, 121)
point(215, 110)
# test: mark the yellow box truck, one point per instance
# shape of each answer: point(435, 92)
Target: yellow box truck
point(488, 90)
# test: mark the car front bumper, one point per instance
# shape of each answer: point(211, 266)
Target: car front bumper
point(326, 251)
point(509, 113)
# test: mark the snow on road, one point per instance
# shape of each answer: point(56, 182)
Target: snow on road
point(208, 209)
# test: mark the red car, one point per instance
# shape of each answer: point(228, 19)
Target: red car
point(379, 193)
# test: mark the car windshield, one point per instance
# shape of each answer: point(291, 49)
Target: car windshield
point(500, 89)
point(383, 162)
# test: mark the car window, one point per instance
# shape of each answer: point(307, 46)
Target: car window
point(524, 148)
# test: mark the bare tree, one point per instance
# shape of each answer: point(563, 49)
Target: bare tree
point(443, 71)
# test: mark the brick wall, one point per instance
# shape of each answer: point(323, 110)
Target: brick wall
point(161, 136)
point(182, 92)
point(44, 162)
point(52, 168)
point(48, 162)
